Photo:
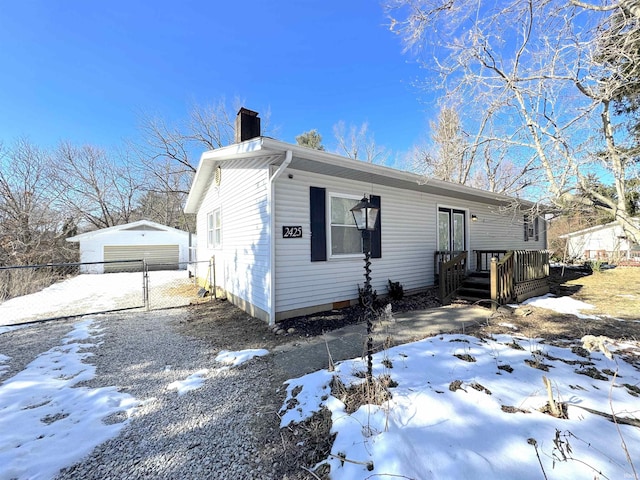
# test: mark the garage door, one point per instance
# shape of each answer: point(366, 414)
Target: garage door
point(158, 257)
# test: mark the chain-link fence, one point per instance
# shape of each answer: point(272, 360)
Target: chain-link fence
point(176, 288)
point(31, 293)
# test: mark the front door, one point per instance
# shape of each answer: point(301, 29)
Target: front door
point(451, 230)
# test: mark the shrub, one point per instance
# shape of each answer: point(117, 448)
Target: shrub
point(396, 290)
point(595, 266)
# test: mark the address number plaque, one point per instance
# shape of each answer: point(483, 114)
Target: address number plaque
point(291, 232)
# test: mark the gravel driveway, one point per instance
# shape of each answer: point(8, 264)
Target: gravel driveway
point(217, 431)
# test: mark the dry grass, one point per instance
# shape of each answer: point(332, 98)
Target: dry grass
point(614, 292)
point(358, 394)
point(183, 290)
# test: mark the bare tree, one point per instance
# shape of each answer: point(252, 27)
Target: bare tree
point(358, 143)
point(208, 127)
point(163, 195)
point(452, 161)
point(448, 157)
point(547, 74)
point(457, 156)
point(169, 153)
point(95, 187)
point(33, 229)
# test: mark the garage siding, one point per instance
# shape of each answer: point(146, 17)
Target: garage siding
point(158, 257)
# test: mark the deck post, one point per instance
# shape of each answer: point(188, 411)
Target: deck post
point(494, 283)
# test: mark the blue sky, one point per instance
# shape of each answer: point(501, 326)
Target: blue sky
point(86, 71)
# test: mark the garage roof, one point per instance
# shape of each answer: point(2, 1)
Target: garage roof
point(145, 225)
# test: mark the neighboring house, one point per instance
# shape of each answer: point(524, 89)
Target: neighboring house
point(164, 248)
point(276, 218)
point(602, 242)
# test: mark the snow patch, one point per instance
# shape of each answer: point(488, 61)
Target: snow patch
point(192, 382)
point(237, 358)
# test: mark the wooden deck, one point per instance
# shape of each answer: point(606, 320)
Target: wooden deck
point(500, 276)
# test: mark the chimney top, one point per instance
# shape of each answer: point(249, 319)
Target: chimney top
point(247, 125)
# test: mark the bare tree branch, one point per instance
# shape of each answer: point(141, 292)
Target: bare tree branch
point(539, 79)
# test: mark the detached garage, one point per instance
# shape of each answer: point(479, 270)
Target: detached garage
point(163, 248)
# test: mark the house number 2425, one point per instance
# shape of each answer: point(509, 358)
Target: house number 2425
point(291, 232)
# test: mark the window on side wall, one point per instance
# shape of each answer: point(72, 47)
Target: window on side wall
point(531, 229)
point(345, 237)
point(214, 229)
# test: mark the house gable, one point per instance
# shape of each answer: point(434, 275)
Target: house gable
point(144, 228)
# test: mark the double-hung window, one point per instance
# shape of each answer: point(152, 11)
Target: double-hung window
point(333, 231)
point(346, 239)
point(530, 228)
point(214, 229)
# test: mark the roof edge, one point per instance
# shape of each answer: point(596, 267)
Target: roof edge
point(267, 145)
point(124, 226)
point(595, 228)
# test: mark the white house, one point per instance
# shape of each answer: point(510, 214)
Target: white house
point(602, 242)
point(162, 247)
point(276, 218)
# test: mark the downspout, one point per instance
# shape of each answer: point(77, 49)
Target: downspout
point(288, 156)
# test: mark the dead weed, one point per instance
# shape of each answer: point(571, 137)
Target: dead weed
point(364, 393)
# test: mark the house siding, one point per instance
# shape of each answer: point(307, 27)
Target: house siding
point(589, 244)
point(496, 229)
point(409, 240)
point(242, 261)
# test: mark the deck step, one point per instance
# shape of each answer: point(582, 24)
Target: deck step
point(477, 282)
point(475, 288)
point(478, 275)
point(474, 292)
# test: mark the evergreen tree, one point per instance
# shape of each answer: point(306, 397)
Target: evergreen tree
point(310, 139)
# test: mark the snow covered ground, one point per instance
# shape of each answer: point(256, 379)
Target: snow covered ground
point(463, 407)
point(47, 421)
point(50, 419)
point(466, 407)
point(85, 294)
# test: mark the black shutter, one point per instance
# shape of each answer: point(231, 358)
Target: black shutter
point(526, 228)
point(535, 229)
point(317, 208)
point(376, 235)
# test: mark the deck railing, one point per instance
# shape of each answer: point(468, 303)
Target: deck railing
point(483, 258)
point(514, 275)
point(502, 279)
point(531, 265)
point(441, 256)
point(519, 275)
point(452, 274)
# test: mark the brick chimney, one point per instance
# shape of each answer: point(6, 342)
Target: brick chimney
point(247, 125)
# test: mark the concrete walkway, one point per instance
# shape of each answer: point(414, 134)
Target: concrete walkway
point(297, 359)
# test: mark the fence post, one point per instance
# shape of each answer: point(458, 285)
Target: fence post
point(145, 284)
point(212, 276)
